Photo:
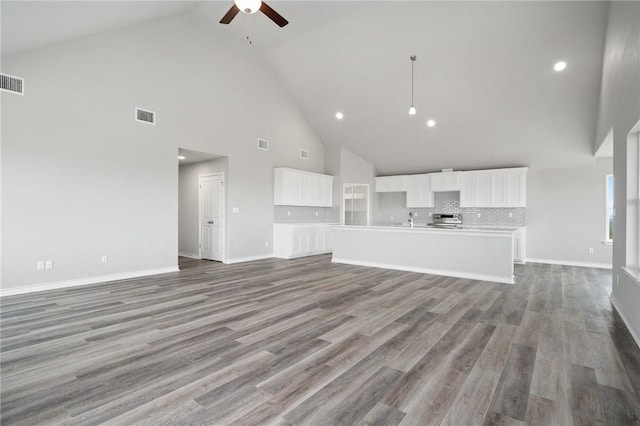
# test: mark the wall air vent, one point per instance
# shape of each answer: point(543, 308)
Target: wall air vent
point(263, 144)
point(145, 116)
point(304, 154)
point(10, 83)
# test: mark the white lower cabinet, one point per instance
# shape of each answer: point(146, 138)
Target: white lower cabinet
point(292, 240)
point(520, 246)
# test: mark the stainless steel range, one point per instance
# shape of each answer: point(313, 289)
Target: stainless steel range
point(446, 220)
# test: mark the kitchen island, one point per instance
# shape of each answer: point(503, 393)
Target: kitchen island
point(479, 254)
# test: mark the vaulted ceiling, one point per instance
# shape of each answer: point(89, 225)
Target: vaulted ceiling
point(484, 72)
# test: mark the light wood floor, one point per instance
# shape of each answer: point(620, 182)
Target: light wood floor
point(314, 343)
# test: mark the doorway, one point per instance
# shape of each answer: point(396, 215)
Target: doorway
point(355, 204)
point(198, 239)
point(211, 216)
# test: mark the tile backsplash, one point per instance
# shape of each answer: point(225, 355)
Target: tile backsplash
point(294, 214)
point(449, 202)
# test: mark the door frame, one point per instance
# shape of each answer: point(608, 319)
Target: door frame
point(224, 218)
point(344, 206)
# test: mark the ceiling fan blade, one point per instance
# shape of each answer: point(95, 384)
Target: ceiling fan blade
point(273, 15)
point(230, 14)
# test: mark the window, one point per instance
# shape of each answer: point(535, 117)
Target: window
point(610, 209)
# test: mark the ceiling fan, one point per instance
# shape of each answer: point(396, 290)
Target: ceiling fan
point(252, 6)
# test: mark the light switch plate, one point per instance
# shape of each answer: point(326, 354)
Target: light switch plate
point(40, 265)
point(48, 264)
point(236, 210)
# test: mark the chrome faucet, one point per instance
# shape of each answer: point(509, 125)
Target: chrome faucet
point(411, 219)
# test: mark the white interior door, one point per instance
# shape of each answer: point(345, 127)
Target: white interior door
point(212, 217)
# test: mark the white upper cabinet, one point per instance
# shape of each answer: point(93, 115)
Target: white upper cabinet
point(391, 184)
point(475, 189)
point(419, 192)
point(445, 181)
point(300, 188)
point(325, 190)
point(494, 188)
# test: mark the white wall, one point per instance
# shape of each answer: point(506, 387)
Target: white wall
point(347, 167)
point(620, 110)
point(81, 178)
point(566, 213)
point(188, 199)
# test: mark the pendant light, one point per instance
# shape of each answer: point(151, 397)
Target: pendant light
point(412, 109)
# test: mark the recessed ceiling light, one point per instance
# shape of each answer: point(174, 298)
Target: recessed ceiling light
point(339, 115)
point(560, 66)
point(431, 123)
point(181, 157)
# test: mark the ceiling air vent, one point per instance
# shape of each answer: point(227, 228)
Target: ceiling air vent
point(145, 116)
point(10, 83)
point(304, 154)
point(263, 144)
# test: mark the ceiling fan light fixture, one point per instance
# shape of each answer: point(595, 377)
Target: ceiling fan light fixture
point(412, 110)
point(248, 6)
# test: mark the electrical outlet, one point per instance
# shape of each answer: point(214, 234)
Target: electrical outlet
point(510, 214)
point(105, 259)
point(266, 243)
point(391, 218)
point(48, 264)
point(590, 250)
point(415, 214)
point(40, 265)
point(317, 213)
point(479, 215)
point(236, 209)
point(430, 214)
point(288, 212)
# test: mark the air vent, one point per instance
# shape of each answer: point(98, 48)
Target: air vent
point(145, 116)
point(10, 83)
point(304, 154)
point(263, 144)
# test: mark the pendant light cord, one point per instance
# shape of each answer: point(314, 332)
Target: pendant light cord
point(413, 60)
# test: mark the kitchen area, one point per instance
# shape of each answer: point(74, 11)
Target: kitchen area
point(467, 224)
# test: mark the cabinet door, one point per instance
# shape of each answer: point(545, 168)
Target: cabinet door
point(452, 181)
point(438, 182)
point(288, 188)
point(309, 190)
point(391, 184)
point(515, 189)
point(445, 181)
point(419, 191)
point(498, 189)
point(413, 191)
point(482, 189)
point(328, 237)
point(467, 189)
point(325, 191)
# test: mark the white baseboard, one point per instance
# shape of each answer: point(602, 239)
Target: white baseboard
point(189, 255)
point(313, 253)
point(633, 329)
point(480, 277)
point(570, 263)
point(248, 258)
point(85, 281)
